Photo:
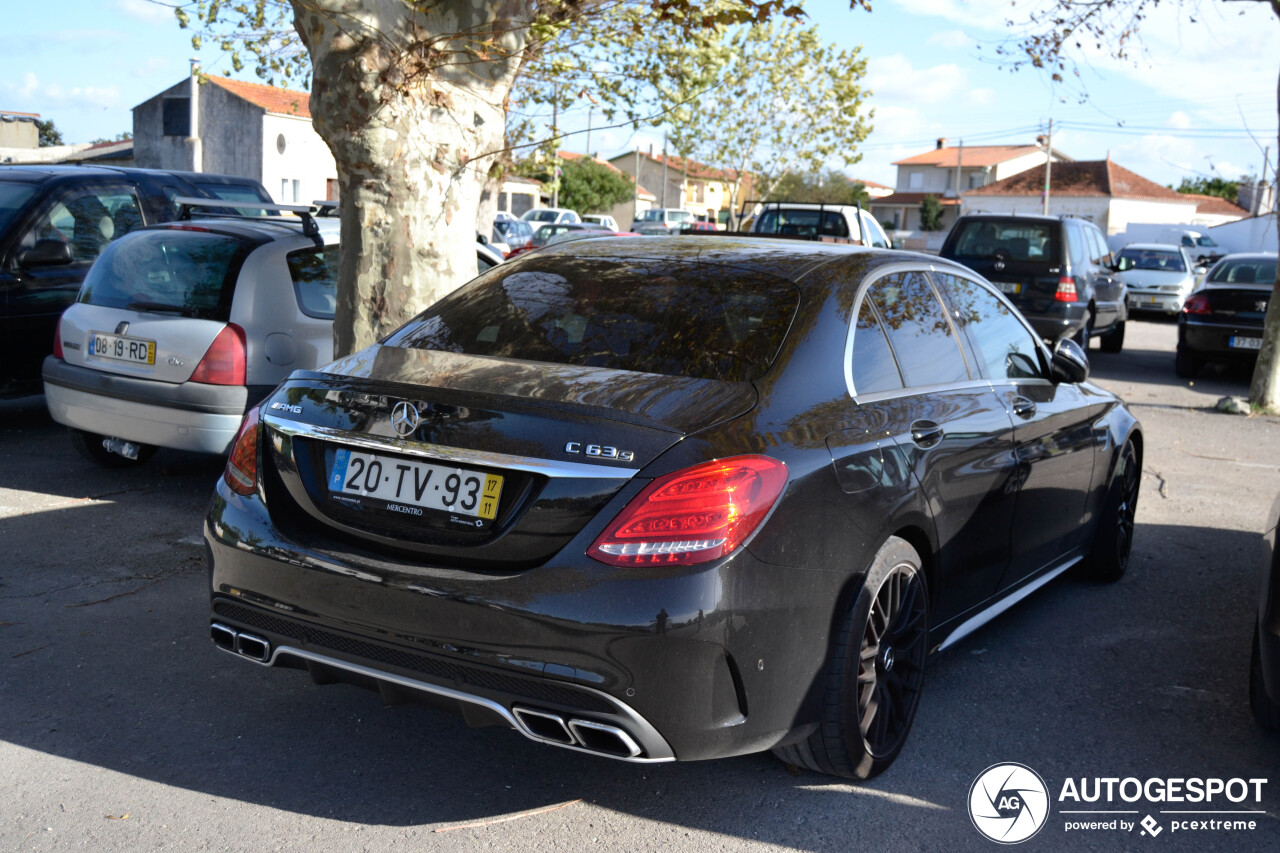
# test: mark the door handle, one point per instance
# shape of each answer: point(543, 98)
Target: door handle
point(1023, 408)
point(926, 434)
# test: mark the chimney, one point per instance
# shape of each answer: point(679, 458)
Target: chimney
point(942, 142)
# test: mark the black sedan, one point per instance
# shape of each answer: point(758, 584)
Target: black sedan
point(1222, 320)
point(674, 498)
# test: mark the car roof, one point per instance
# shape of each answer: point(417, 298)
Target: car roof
point(1152, 247)
point(1251, 256)
point(44, 172)
point(258, 228)
point(788, 259)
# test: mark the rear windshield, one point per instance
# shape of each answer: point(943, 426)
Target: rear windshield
point(803, 222)
point(1150, 259)
point(1019, 241)
point(315, 280)
point(1244, 271)
point(13, 195)
point(650, 316)
point(188, 273)
point(238, 192)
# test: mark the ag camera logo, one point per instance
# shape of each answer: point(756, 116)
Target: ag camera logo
point(1008, 803)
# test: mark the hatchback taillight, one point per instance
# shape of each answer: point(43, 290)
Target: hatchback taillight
point(1066, 291)
point(694, 515)
point(57, 340)
point(1197, 304)
point(224, 361)
point(241, 473)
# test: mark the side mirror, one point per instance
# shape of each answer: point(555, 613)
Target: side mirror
point(1200, 270)
point(1070, 364)
point(47, 253)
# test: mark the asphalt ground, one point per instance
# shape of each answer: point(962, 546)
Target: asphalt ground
point(122, 728)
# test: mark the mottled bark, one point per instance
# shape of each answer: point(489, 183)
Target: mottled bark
point(1264, 390)
point(410, 103)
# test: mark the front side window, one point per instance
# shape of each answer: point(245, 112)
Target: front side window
point(1004, 347)
point(648, 316)
point(315, 280)
point(87, 220)
point(918, 330)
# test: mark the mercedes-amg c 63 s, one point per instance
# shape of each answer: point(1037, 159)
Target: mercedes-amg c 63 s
point(672, 498)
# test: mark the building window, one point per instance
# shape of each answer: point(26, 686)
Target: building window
point(975, 180)
point(916, 180)
point(176, 116)
point(297, 191)
point(331, 189)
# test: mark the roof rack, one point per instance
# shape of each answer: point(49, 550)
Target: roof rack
point(304, 212)
point(325, 207)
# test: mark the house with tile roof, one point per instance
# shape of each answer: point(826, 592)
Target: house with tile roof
point(626, 212)
point(696, 187)
point(1102, 191)
point(236, 128)
point(947, 172)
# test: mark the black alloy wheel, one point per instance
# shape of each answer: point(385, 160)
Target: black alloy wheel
point(876, 672)
point(1113, 341)
point(1113, 541)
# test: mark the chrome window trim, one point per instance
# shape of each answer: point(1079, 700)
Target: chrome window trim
point(892, 269)
point(553, 468)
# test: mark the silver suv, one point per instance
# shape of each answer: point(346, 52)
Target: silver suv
point(180, 328)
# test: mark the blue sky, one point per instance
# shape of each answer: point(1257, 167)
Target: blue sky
point(1184, 107)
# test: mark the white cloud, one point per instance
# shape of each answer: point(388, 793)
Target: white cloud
point(894, 78)
point(30, 84)
point(951, 39)
point(981, 97)
point(986, 14)
point(1179, 120)
point(142, 10)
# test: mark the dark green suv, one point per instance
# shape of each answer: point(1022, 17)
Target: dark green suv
point(1057, 271)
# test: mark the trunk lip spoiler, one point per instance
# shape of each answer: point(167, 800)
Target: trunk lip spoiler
point(553, 468)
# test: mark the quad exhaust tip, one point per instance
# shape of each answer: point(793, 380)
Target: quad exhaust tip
point(239, 643)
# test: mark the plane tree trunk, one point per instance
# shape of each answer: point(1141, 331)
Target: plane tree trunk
point(410, 101)
point(1264, 391)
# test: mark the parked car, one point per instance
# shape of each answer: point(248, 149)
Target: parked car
point(546, 232)
point(587, 234)
point(699, 226)
point(672, 498)
point(1158, 276)
point(1264, 669)
point(1057, 271)
point(819, 221)
point(601, 219)
point(551, 214)
point(516, 233)
point(181, 327)
point(1222, 321)
point(54, 221)
point(661, 220)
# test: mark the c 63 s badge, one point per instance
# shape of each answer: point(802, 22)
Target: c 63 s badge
point(599, 451)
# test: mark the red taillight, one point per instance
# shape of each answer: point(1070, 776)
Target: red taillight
point(692, 516)
point(241, 473)
point(1198, 303)
point(57, 340)
point(1066, 291)
point(223, 363)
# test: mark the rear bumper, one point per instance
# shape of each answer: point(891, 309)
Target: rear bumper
point(1169, 303)
point(187, 416)
point(1213, 340)
point(700, 662)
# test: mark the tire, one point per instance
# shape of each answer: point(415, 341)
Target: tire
point(877, 662)
point(1113, 341)
point(1266, 712)
point(89, 445)
point(1186, 365)
point(1086, 331)
point(1113, 540)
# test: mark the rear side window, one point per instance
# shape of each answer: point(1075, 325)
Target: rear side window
point(649, 316)
point(238, 192)
point(803, 222)
point(190, 273)
point(919, 332)
point(1019, 241)
point(873, 367)
point(315, 280)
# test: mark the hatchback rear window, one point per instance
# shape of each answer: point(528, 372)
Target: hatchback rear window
point(1019, 241)
point(651, 316)
point(803, 222)
point(190, 273)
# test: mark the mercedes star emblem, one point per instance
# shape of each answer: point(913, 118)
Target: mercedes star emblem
point(405, 418)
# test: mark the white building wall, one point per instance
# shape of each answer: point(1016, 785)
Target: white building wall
point(301, 173)
point(1127, 210)
point(1256, 234)
point(1018, 165)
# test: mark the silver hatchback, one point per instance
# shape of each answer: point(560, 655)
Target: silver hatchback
point(182, 327)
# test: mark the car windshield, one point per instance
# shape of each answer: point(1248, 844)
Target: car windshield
point(1019, 241)
point(1206, 241)
point(1150, 259)
point(650, 216)
point(649, 316)
point(191, 273)
point(1244, 271)
point(13, 195)
point(542, 216)
point(237, 192)
point(803, 222)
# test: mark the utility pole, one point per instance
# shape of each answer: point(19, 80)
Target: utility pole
point(664, 168)
point(1048, 161)
point(635, 201)
point(555, 134)
point(590, 113)
point(959, 166)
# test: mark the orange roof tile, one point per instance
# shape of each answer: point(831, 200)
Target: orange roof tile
point(1083, 178)
point(273, 100)
point(1212, 205)
point(969, 155)
point(911, 199)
